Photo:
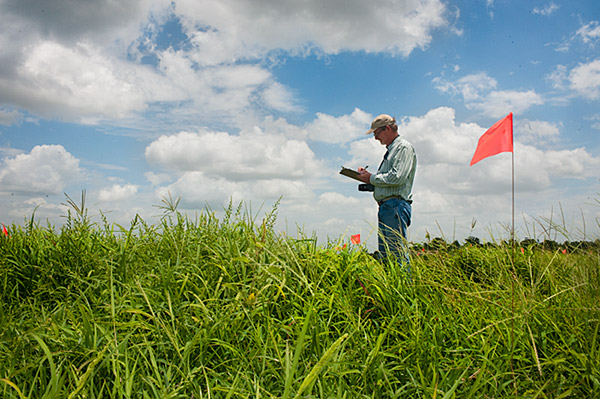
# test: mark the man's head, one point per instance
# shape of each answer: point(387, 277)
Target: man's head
point(384, 129)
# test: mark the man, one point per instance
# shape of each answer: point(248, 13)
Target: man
point(392, 183)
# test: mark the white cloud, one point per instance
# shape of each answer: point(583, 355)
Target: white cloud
point(39, 207)
point(547, 10)
point(10, 152)
point(82, 84)
point(248, 156)
point(595, 119)
point(365, 152)
point(9, 117)
point(65, 20)
point(216, 92)
point(77, 78)
point(589, 33)
point(157, 178)
point(198, 189)
point(559, 77)
point(536, 131)
point(337, 130)
point(585, 80)
point(337, 199)
point(324, 128)
point(83, 63)
point(582, 81)
point(278, 97)
point(90, 80)
point(500, 103)
point(477, 91)
point(490, 6)
point(28, 28)
point(117, 192)
point(331, 26)
point(471, 87)
point(576, 164)
point(47, 169)
point(437, 138)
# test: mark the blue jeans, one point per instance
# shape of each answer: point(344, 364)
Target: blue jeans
point(394, 217)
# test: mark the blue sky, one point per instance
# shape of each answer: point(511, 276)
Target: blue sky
point(220, 100)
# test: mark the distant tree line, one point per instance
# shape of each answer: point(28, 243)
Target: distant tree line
point(438, 243)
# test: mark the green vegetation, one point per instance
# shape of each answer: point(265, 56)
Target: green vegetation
point(228, 308)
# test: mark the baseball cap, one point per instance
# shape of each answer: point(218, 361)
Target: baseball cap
point(381, 121)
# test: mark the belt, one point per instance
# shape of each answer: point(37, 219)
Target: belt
point(389, 198)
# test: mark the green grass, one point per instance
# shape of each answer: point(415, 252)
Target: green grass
point(210, 308)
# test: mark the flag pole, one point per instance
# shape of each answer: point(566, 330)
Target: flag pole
point(497, 139)
point(512, 231)
point(513, 239)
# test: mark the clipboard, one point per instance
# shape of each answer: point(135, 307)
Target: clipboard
point(350, 173)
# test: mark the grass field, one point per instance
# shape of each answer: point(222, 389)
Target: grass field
point(228, 308)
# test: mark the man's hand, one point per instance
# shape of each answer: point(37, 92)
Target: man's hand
point(364, 176)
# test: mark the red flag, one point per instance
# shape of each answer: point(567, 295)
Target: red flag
point(355, 239)
point(4, 230)
point(497, 139)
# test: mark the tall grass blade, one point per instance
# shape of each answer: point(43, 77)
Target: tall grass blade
point(313, 374)
point(52, 388)
point(15, 387)
point(290, 374)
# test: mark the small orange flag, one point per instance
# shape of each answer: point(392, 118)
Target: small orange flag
point(355, 239)
point(497, 139)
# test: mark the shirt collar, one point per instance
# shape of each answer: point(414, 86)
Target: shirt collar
point(393, 141)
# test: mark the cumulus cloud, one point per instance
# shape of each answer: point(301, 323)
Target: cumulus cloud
point(337, 199)
point(337, 130)
point(331, 26)
point(66, 20)
point(585, 80)
point(324, 128)
point(470, 87)
point(500, 103)
point(84, 63)
point(82, 83)
point(260, 164)
point(47, 169)
point(537, 131)
point(77, 79)
point(117, 192)
point(247, 156)
point(198, 190)
point(75, 72)
point(477, 91)
point(105, 24)
point(576, 164)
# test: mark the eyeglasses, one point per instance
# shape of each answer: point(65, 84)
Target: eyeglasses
point(378, 131)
